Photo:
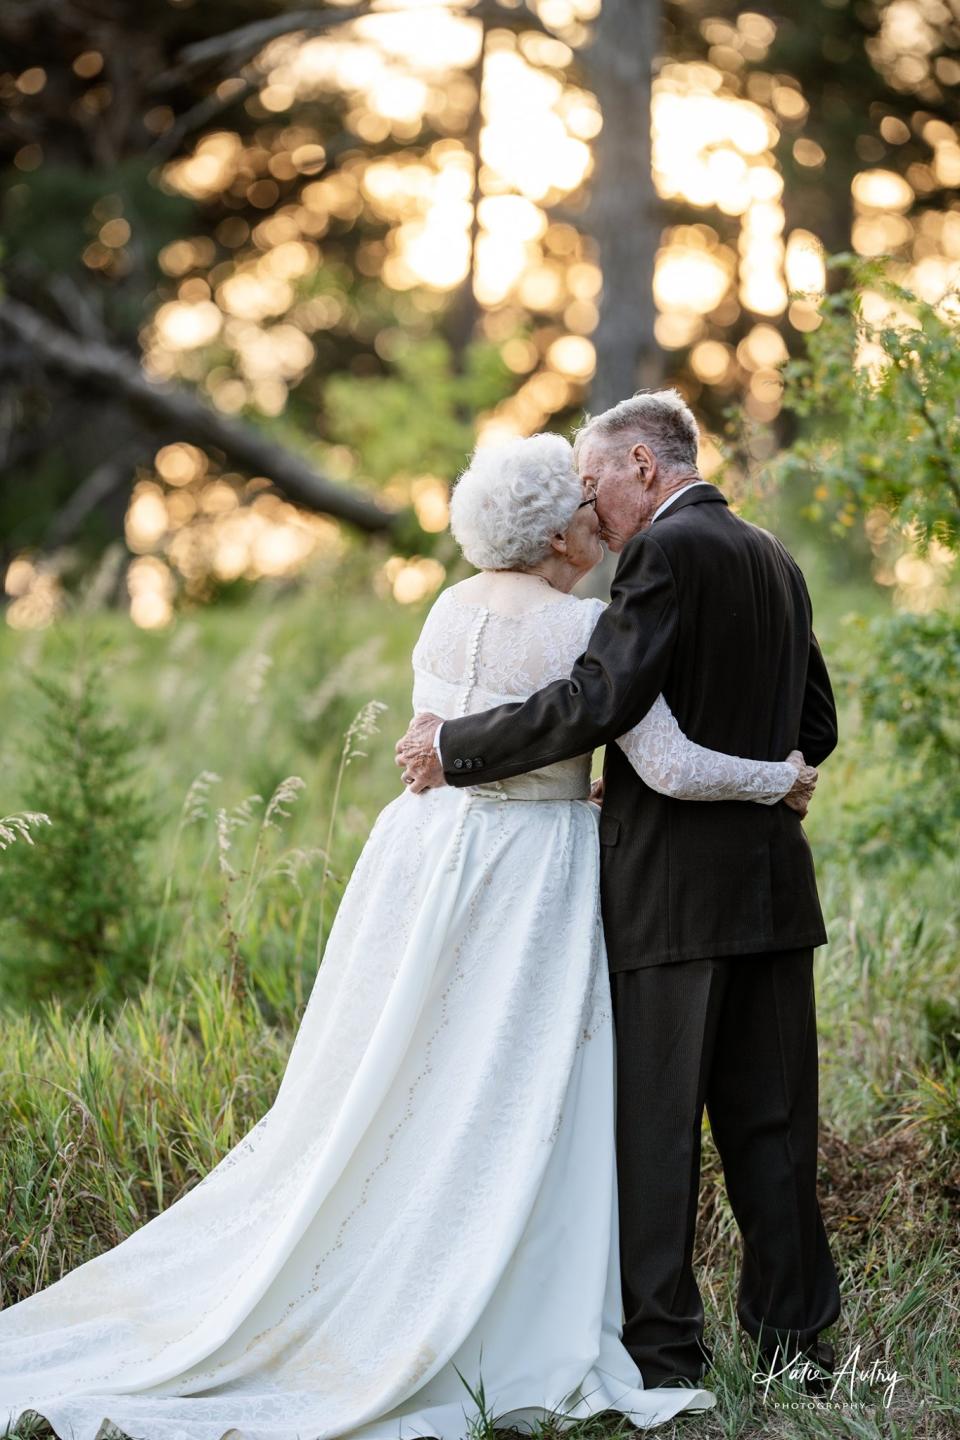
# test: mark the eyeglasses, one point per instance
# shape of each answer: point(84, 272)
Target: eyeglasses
point(590, 500)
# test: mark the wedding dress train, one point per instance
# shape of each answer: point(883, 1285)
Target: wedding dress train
point(430, 1202)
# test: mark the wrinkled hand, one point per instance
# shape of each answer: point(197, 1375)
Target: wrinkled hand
point(416, 756)
point(799, 797)
point(596, 792)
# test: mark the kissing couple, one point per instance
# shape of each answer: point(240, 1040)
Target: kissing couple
point(475, 1194)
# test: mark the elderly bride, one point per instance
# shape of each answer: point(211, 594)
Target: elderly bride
point(423, 1225)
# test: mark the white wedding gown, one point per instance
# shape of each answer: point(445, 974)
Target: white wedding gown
point(433, 1189)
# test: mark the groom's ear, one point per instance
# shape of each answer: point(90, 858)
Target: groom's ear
point(646, 463)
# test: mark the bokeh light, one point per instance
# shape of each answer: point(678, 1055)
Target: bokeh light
point(246, 312)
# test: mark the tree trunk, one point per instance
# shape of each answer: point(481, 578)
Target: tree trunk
point(464, 308)
point(92, 365)
point(624, 216)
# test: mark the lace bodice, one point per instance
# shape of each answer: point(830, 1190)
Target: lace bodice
point(489, 641)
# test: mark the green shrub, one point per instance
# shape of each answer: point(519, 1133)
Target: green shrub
point(879, 442)
point(76, 904)
point(885, 433)
point(905, 678)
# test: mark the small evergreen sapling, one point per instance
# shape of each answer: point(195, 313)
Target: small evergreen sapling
point(75, 905)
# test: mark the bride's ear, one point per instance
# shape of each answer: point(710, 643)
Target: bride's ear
point(558, 543)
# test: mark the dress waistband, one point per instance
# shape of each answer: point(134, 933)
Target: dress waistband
point(532, 786)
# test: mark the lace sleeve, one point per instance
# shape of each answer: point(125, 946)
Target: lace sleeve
point(668, 762)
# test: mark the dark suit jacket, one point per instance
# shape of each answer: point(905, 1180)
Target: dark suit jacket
point(715, 613)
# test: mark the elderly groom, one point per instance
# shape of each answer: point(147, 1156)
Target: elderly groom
point(710, 910)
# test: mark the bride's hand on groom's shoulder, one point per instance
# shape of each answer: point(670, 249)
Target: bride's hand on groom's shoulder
point(799, 797)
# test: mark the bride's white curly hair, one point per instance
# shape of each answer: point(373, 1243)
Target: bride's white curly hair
point(512, 498)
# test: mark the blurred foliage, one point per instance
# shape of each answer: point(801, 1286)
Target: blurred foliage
point(420, 417)
point(269, 227)
point(904, 673)
point(878, 386)
point(75, 197)
point(879, 447)
point(943, 1023)
point(854, 87)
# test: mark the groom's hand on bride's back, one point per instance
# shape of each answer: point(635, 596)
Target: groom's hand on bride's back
point(800, 795)
point(417, 757)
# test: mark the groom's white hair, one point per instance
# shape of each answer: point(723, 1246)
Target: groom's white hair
point(512, 498)
point(662, 419)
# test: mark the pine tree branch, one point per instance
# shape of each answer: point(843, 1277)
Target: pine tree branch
point(942, 452)
point(201, 114)
point(95, 365)
point(235, 48)
point(102, 482)
point(238, 46)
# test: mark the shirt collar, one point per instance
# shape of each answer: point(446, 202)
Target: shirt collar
point(676, 496)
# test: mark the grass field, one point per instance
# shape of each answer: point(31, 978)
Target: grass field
point(106, 1118)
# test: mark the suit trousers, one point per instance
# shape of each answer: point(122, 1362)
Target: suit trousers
point(736, 1034)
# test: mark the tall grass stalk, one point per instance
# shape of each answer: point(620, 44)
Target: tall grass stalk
point(362, 727)
point(18, 826)
point(193, 810)
point(285, 793)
